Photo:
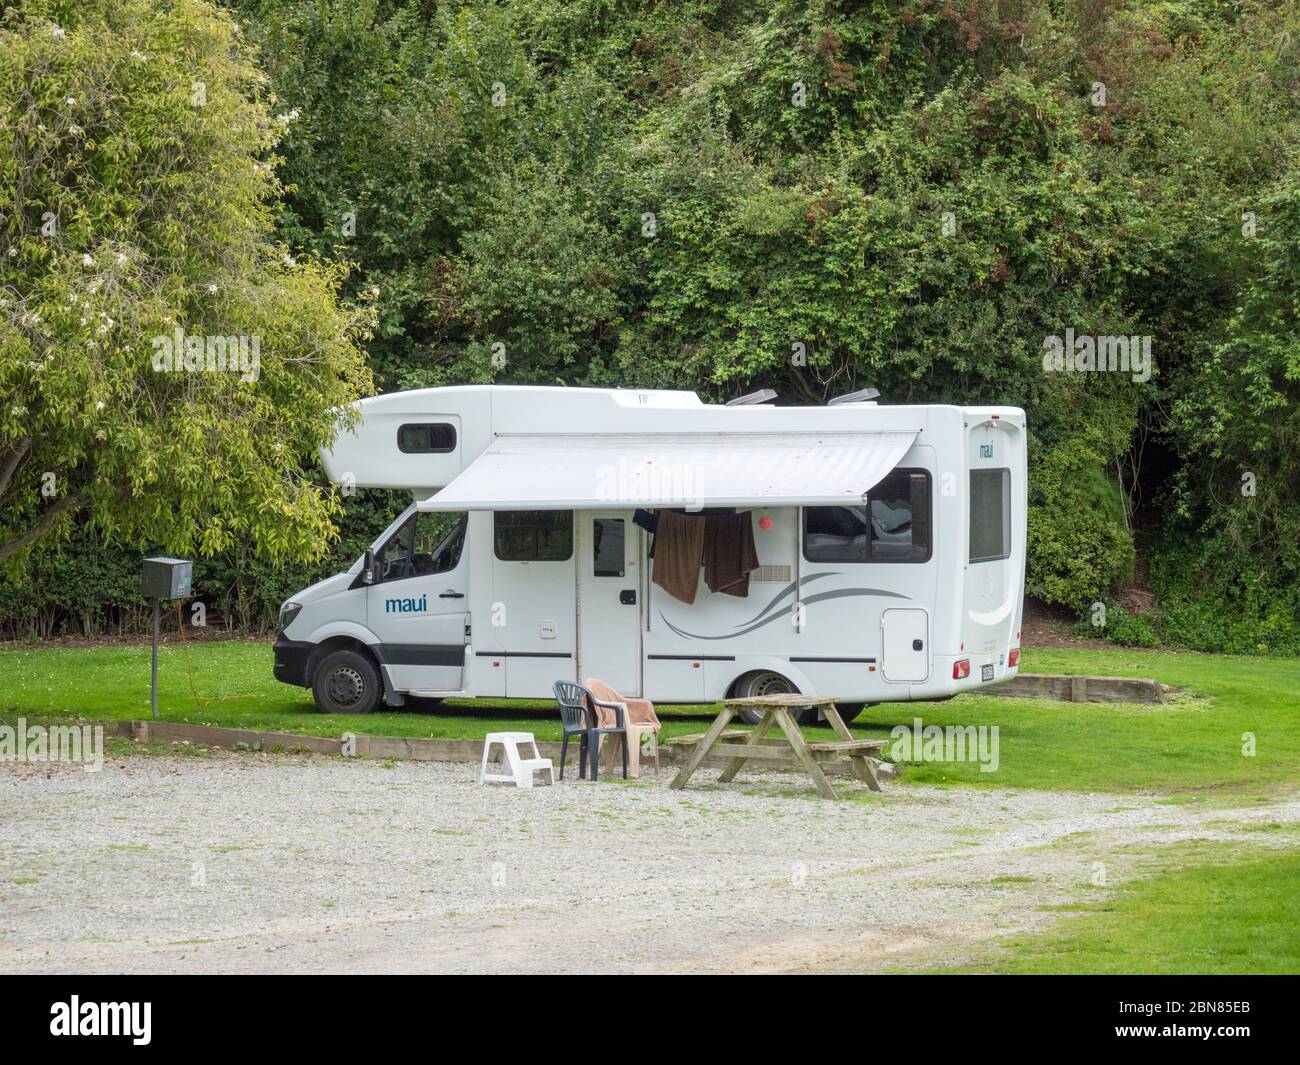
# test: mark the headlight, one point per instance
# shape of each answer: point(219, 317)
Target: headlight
point(287, 613)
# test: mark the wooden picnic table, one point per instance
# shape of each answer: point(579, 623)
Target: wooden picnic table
point(792, 750)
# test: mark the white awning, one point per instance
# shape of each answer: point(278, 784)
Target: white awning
point(588, 471)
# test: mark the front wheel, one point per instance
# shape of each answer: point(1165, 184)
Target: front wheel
point(848, 711)
point(346, 683)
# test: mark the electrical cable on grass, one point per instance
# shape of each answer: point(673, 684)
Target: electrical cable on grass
point(199, 701)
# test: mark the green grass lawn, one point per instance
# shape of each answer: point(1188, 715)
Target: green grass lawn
point(1217, 918)
point(1192, 746)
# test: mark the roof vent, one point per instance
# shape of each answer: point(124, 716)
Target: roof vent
point(763, 395)
point(863, 395)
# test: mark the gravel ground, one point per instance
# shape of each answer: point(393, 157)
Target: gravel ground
point(248, 863)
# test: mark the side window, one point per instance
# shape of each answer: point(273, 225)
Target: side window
point(423, 545)
point(835, 534)
point(426, 438)
point(607, 547)
point(900, 517)
point(990, 515)
point(437, 548)
point(395, 555)
point(894, 526)
point(533, 535)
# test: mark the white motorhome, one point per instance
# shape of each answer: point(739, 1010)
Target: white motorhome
point(889, 541)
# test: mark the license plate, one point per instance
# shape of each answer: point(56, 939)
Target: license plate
point(986, 672)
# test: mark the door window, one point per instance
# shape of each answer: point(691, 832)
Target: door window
point(607, 547)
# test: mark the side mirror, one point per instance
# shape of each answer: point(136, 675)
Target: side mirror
point(368, 566)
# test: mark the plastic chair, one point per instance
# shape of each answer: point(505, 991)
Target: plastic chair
point(576, 721)
point(640, 719)
point(578, 712)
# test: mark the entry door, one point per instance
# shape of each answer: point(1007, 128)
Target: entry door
point(609, 608)
point(905, 645)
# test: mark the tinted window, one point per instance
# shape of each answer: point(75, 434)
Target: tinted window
point(424, 544)
point(533, 535)
point(436, 438)
point(990, 515)
point(607, 546)
point(437, 548)
point(894, 526)
point(835, 534)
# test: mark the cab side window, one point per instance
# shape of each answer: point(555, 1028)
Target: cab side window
point(423, 545)
point(395, 555)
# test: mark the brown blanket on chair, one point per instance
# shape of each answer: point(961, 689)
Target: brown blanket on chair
point(679, 549)
point(639, 711)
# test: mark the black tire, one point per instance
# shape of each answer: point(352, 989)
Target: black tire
point(848, 711)
point(764, 682)
point(346, 682)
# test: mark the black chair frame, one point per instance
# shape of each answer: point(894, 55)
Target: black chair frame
point(579, 717)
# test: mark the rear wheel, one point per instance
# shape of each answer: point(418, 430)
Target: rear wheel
point(763, 683)
point(346, 682)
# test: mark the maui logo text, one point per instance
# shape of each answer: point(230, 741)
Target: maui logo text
point(406, 606)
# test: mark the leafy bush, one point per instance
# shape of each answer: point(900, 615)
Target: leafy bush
point(1216, 596)
point(1130, 630)
point(1079, 543)
point(86, 588)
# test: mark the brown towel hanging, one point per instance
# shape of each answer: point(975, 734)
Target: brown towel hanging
point(679, 550)
point(729, 553)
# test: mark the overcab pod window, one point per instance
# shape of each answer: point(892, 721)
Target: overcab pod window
point(426, 438)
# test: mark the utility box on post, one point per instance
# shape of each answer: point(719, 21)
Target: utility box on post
point(167, 578)
point(163, 578)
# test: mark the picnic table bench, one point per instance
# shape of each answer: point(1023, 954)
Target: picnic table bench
point(790, 749)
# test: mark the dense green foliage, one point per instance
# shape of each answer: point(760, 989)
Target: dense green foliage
point(137, 208)
point(89, 589)
point(907, 194)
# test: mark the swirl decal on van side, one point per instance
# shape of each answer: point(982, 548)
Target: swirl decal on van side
point(787, 590)
point(843, 593)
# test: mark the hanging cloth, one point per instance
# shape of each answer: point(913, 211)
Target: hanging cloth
point(729, 553)
point(679, 550)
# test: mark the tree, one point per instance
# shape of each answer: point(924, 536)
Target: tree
point(167, 373)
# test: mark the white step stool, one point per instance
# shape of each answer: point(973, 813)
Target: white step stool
point(521, 769)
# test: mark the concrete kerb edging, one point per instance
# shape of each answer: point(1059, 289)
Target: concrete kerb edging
point(397, 747)
point(1060, 687)
point(1069, 688)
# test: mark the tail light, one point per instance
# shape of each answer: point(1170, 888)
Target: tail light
point(1013, 656)
point(961, 669)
